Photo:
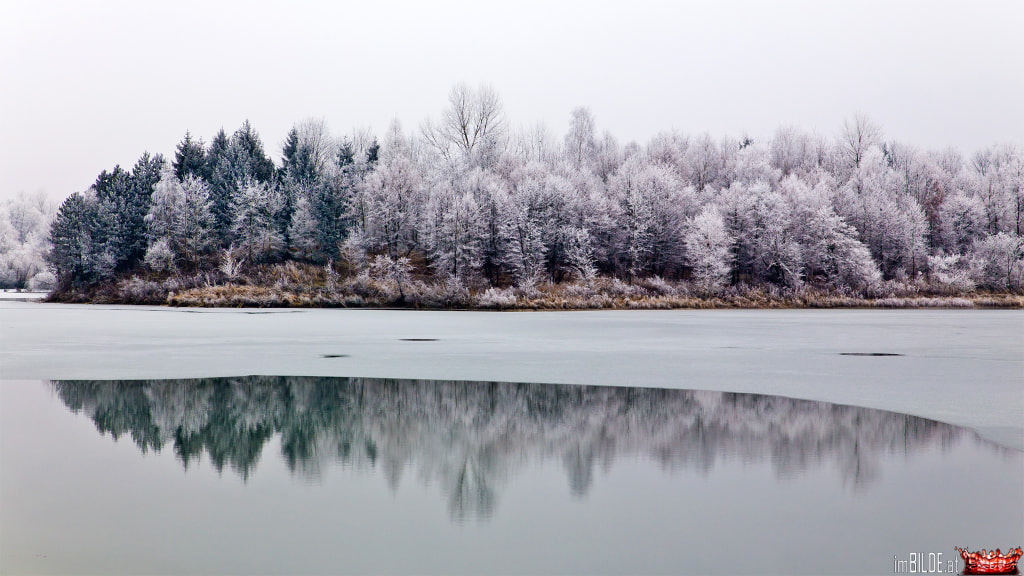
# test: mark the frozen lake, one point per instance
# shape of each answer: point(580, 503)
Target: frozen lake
point(817, 441)
point(962, 367)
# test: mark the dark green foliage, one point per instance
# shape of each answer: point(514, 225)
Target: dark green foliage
point(330, 207)
point(247, 157)
point(232, 163)
point(112, 185)
point(372, 153)
point(145, 175)
point(112, 234)
point(124, 200)
point(346, 155)
point(73, 252)
point(297, 163)
point(217, 176)
point(189, 158)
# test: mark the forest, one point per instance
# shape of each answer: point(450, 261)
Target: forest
point(466, 211)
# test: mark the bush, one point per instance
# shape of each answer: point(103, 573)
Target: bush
point(43, 282)
point(497, 298)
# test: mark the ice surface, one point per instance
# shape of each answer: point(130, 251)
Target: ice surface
point(964, 367)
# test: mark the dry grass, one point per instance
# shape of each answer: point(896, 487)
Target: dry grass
point(306, 286)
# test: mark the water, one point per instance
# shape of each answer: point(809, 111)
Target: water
point(315, 475)
point(718, 442)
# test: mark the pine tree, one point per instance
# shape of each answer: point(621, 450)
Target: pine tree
point(73, 250)
point(145, 175)
point(216, 172)
point(189, 158)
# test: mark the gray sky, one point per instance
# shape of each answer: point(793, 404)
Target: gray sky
point(87, 85)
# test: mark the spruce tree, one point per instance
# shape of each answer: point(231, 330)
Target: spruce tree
point(216, 174)
point(145, 175)
point(73, 250)
point(189, 158)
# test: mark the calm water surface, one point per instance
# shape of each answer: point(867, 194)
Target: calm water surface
point(303, 475)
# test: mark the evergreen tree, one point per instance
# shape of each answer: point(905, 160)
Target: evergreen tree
point(189, 158)
point(346, 153)
point(216, 173)
point(73, 251)
point(113, 233)
point(373, 153)
point(298, 163)
point(145, 175)
point(247, 156)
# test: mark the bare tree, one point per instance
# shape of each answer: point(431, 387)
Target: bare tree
point(857, 136)
point(580, 142)
point(472, 125)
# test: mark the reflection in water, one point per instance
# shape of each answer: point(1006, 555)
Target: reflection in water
point(471, 437)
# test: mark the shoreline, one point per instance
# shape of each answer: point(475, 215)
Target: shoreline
point(562, 297)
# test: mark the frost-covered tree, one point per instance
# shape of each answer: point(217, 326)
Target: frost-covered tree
point(232, 163)
point(309, 152)
point(703, 161)
point(254, 225)
point(792, 151)
point(999, 261)
point(196, 227)
point(524, 251)
point(859, 135)
point(452, 233)
point(736, 205)
point(831, 251)
point(654, 206)
point(961, 220)
point(166, 204)
point(776, 247)
point(490, 193)
point(398, 271)
point(471, 128)
point(160, 257)
point(580, 141)
point(997, 179)
point(393, 195)
point(579, 252)
point(891, 224)
point(707, 248)
point(474, 202)
point(303, 239)
point(179, 219)
point(24, 231)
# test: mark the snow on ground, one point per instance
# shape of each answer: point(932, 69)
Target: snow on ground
point(21, 296)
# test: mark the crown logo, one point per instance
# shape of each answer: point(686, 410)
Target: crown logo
point(990, 562)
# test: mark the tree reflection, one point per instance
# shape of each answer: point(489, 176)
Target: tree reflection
point(471, 437)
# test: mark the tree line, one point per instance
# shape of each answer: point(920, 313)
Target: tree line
point(467, 199)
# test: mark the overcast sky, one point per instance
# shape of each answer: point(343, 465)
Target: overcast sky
point(87, 85)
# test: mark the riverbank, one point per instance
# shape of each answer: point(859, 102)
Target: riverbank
point(295, 287)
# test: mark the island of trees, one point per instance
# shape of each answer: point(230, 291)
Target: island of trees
point(466, 212)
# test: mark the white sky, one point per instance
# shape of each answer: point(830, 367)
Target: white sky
point(87, 85)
